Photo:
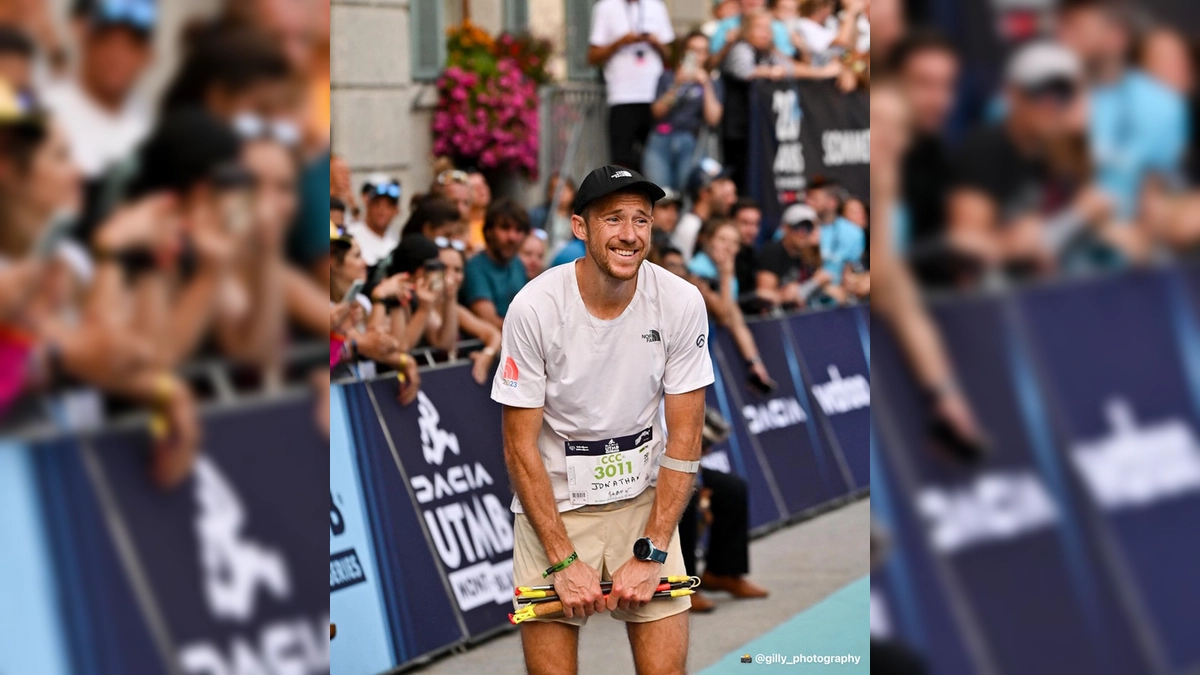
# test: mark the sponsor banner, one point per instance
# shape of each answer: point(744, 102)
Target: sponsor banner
point(800, 129)
point(450, 445)
point(988, 527)
point(356, 605)
point(32, 623)
point(104, 627)
point(781, 424)
point(236, 571)
point(736, 454)
point(421, 616)
point(832, 354)
point(1109, 353)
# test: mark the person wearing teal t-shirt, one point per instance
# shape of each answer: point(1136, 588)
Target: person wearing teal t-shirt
point(493, 278)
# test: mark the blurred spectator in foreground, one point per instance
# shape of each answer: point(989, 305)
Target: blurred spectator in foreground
point(841, 240)
point(97, 107)
point(751, 57)
point(1136, 124)
point(898, 303)
point(17, 51)
point(481, 198)
point(533, 253)
point(712, 270)
point(712, 193)
point(629, 40)
point(494, 277)
point(732, 29)
point(379, 232)
point(666, 218)
point(926, 68)
point(454, 261)
point(887, 28)
point(687, 100)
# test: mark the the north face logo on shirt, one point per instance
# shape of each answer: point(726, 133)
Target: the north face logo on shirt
point(652, 336)
point(510, 374)
point(621, 174)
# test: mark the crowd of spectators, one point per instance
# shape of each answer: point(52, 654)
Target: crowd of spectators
point(142, 232)
point(1079, 158)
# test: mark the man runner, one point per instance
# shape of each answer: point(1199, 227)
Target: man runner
point(591, 350)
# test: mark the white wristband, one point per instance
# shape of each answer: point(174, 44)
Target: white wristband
point(678, 465)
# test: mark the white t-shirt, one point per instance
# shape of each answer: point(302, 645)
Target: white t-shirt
point(818, 38)
point(374, 247)
point(98, 137)
point(685, 234)
point(601, 381)
point(631, 78)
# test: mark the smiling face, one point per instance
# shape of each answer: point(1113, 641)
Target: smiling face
point(617, 233)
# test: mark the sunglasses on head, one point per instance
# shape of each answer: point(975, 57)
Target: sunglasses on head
point(253, 127)
point(453, 176)
point(389, 190)
point(138, 14)
point(1059, 91)
point(444, 242)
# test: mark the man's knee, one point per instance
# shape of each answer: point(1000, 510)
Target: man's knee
point(660, 647)
point(550, 648)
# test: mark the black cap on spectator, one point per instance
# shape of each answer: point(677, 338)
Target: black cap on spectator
point(13, 40)
point(188, 147)
point(608, 179)
point(412, 254)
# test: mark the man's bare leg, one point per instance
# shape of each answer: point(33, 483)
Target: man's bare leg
point(660, 647)
point(551, 648)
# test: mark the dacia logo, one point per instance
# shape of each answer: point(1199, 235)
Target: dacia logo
point(652, 336)
point(611, 447)
point(621, 174)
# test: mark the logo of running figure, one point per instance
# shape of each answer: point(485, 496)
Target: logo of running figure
point(611, 447)
point(652, 336)
point(509, 377)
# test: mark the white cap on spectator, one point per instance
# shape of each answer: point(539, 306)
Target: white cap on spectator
point(798, 213)
point(1039, 63)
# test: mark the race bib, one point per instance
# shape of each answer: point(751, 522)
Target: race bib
point(599, 472)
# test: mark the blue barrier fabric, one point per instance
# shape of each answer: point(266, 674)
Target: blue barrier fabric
point(1070, 550)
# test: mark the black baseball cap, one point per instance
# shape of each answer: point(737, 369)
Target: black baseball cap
point(411, 254)
point(609, 179)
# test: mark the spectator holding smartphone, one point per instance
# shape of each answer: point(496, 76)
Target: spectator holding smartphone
point(687, 100)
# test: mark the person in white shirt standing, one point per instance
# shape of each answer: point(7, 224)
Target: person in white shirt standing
point(590, 351)
point(629, 39)
point(97, 107)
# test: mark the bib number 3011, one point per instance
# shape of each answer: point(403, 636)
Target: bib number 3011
point(600, 472)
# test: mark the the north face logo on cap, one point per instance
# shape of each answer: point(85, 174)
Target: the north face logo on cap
point(510, 374)
point(621, 174)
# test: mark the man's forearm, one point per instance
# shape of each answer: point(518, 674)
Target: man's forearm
point(533, 488)
point(672, 495)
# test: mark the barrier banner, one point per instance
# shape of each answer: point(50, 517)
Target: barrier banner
point(989, 526)
point(236, 570)
point(1130, 427)
point(737, 455)
point(452, 449)
point(356, 593)
point(835, 135)
point(69, 606)
point(830, 350)
point(781, 424)
point(909, 601)
point(775, 168)
point(421, 617)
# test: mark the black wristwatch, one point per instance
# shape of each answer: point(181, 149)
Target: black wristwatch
point(643, 549)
